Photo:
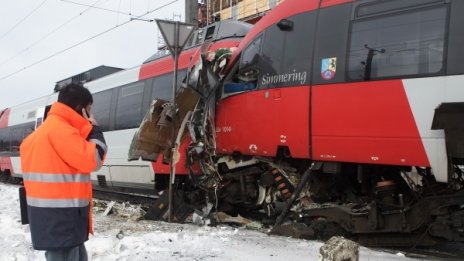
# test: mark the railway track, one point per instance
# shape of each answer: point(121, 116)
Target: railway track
point(132, 198)
point(444, 251)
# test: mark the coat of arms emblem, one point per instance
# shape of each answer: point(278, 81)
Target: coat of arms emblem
point(328, 68)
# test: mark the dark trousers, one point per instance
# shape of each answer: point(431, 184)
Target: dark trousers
point(77, 253)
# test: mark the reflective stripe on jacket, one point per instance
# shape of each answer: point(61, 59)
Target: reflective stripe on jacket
point(56, 161)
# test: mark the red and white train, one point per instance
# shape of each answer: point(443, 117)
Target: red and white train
point(121, 98)
point(345, 115)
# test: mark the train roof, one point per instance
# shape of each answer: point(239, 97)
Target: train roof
point(87, 76)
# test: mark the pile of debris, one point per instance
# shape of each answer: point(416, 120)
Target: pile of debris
point(124, 210)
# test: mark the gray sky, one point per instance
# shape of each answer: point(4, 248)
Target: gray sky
point(28, 36)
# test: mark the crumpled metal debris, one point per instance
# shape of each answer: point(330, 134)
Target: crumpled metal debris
point(196, 96)
point(124, 210)
point(206, 217)
point(201, 217)
point(225, 218)
point(154, 135)
point(108, 209)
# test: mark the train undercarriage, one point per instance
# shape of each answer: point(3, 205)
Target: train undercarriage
point(375, 205)
point(6, 177)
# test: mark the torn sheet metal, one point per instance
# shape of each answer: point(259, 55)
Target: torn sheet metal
point(195, 109)
point(154, 135)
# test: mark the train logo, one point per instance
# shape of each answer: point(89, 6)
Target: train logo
point(328, 68)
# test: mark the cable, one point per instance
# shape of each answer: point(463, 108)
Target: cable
point(84, 41)
point(22, 20)
point(99, 8)
point(119, 8)
point(46, 36)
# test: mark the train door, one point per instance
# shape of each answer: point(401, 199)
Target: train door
point(124, 111)
point(265, 102)
point(327, 127)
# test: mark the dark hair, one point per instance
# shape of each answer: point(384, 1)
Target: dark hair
point(75, 96)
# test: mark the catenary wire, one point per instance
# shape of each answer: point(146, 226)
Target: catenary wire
point(99, 8)
point(82, 42)
point(47, 35)
point(22, 20)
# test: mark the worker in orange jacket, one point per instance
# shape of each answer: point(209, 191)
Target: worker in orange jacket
point(56, 161)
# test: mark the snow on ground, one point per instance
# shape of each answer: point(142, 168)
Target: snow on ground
point(120, 238)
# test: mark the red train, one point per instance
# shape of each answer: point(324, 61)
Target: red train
point(344, 115)
point(347, 116)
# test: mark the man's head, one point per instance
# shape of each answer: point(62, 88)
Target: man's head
point(75, 96)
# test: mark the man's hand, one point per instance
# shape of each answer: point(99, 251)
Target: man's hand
point(89, 117)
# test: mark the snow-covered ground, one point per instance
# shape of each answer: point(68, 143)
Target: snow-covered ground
point(120, 238)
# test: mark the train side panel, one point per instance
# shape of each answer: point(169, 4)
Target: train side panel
point(257, 123)
point(424, 96)
point(366, 123)
point(375, 81)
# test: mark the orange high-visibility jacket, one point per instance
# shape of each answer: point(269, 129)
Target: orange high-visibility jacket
point(56, 161)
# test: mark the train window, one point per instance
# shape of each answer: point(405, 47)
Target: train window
point(162, 87)
point(28, 129)
point(181, 78)
point(12, 137)
point(402, 44)
point(331, 44)
point(4, 139)
point(101, 108)
point(244, 75)
point(388, 6)
point(17, 135)
point(286, 54)
point(249, 68)
point(31, 114)
point(210, 32)
point(129, 106)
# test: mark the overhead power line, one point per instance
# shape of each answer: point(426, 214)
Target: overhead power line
point(84, 41)
point(22, 20)
point(47, 35)
point(99, 8)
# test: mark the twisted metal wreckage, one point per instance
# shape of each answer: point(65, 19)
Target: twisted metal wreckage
point(195, 102)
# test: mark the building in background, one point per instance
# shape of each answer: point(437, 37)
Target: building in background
point(245, 10)
point(191, 11)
